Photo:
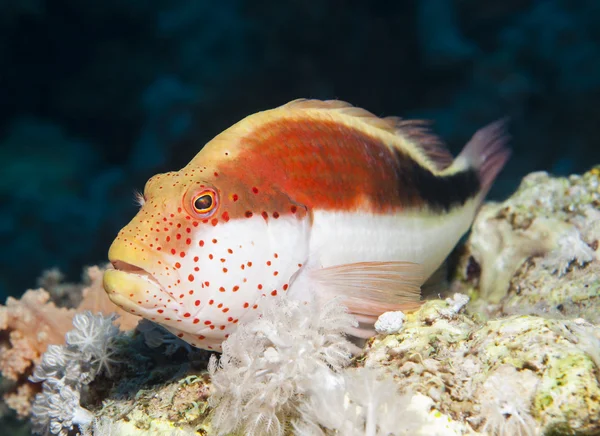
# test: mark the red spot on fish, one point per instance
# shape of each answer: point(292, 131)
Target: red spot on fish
point(181, 295)
point(274, 292)
point(201, 337)
point(196, 258)
point(216, 174)
point(248, 214)
point(182, 254)
point(229, 319)
point(179, 209)
point(188, 241)
point(230, 251)
point(201, 243)
point(160, 311)
point(225, 216)
point(196, 269)
point(265, 215)
point(235, 288)
point(220, 305)
point(211, 302)
point(275, 273)
point(221, 289)
point(224, 270)
point(242, 266)
point(186, 315)
point(168, 239)
point(191, 292)
point(249, 264)
point(235, 197)
point(255, 307)
point(197, 302)
point(207, 283)
point(180, 335)
point(178, 236)
point(214, 241)
point(275, 215)
point(246, 305)
point(195, 223)
point(259, 286)
point(268, 263)
point(173, 251)
point(191, 277)
point(210, 256)
point(214, 221)
point(188, 230)
point(285, 287)
point(177, 265)
point(207, 322)
point(222, 260)
point(293, 209)
point(196, 320)
point(222, 327)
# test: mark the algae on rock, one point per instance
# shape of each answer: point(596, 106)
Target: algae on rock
point(515, 375)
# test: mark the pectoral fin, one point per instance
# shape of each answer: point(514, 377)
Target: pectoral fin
point(369, 289)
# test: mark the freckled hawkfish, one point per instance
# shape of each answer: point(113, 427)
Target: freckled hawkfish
point(313, 199)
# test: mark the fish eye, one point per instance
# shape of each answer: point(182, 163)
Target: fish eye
point(204, 202)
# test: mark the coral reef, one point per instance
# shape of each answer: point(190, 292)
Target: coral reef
point(453, 367)
point(537, 252)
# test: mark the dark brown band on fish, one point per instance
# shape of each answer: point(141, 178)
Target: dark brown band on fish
point(326, 165)
point(439, 193)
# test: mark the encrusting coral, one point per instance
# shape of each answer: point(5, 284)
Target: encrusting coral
point(33, 322)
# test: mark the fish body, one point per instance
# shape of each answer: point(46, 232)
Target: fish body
point(313, 199)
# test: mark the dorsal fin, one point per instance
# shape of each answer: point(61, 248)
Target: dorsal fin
point(414, 131)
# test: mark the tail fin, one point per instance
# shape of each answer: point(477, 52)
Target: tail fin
point(487, 152)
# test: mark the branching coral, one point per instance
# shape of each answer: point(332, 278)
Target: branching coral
point(65, 370)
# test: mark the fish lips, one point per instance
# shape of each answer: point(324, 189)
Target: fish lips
point(129, 288)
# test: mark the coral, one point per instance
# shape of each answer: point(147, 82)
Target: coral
point(389, 322)
point(65, 370)
point(504, 408)
point(34, 322)
point(537, 252)
point(269, 364)
point(31, 324)
point(471, 370)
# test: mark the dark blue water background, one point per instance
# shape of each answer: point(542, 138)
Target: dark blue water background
point(98, 95)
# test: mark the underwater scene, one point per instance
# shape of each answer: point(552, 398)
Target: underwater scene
point(300, 218)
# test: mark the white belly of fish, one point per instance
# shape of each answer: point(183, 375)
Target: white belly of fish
point(339, 238)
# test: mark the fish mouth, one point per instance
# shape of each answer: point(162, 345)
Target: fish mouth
point(130, 268)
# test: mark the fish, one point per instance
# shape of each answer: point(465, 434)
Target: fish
point(311, 200)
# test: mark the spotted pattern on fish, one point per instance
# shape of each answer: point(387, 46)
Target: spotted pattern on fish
point(274, 180)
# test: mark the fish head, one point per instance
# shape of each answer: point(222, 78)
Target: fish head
point(203, 250)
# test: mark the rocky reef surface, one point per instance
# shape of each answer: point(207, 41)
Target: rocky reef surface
point(511, 347)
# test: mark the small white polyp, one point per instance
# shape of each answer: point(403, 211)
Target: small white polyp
point(390, 322)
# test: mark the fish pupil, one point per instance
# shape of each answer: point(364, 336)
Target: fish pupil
point(203, 202)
